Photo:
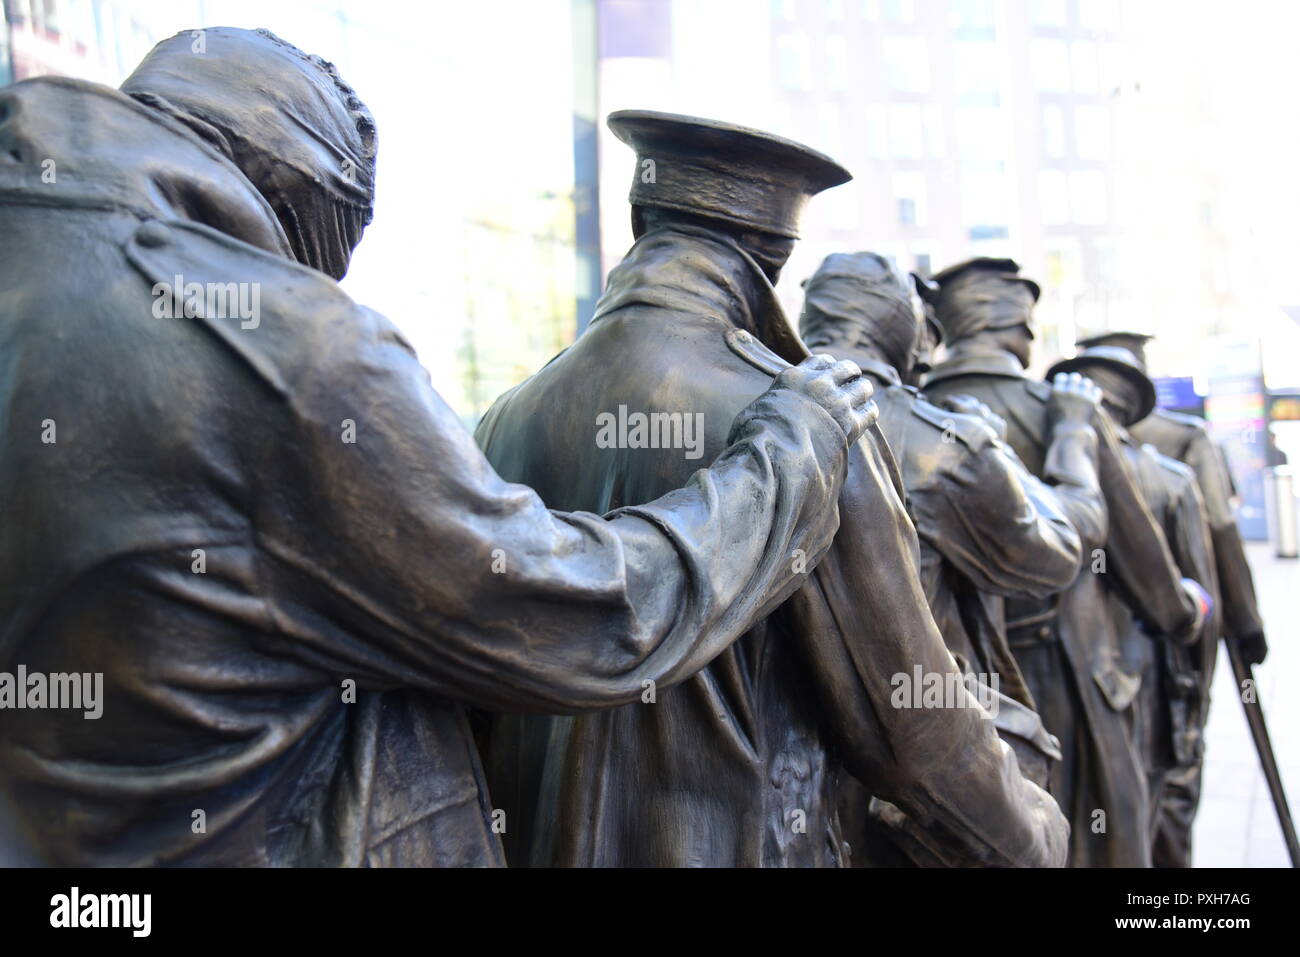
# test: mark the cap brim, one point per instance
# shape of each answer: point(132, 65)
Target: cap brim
point(814, 169)
point(1146, 388)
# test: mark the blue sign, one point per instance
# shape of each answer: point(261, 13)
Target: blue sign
point(1176, 392)
point(1235, 412)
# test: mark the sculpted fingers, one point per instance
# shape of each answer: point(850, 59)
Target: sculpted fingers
point(838, 387)
point(865, 412)
point(1074, 396)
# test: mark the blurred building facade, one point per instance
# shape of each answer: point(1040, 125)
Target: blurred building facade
point(1074, 135)
point(972, 127)
point(1120, 152)
point(1129, 156)
point(94, 39)
point(486, 186)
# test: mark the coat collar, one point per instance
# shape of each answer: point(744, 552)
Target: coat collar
point(703, 272)
point(979, 361)
point(110, 153)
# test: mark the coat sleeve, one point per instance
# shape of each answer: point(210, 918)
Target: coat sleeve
point(864, 620)
point(1136, 546)
point(1189, 539)
point(1003, 529)
point(1070, 469)
point(1240, 609)
point(401, 558)
point(1193, 549)
point(1206, 461)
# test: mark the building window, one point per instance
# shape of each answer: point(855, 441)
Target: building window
point(972, 13)
point(1092, 132)
point(982, 133)
point(907, 64)
point(985, 204)
point(834, 9)
point(975, 70)
point(794, 61)
point(1099, 15)
point(1054, 131)
point(837, 63)
point(1064, 266)
point(1047, 13)
point(935, 141)
point(1110, 68)
point(906, 131)
point(973, 19)
point(1107, 265)
point(1088, 197)
point(1083, 63)
point(897, 11)
point(830, 137)
point(909, 190)
point(1053, 197)
point(877, 130)
point(1049, 65)
point(784, 9)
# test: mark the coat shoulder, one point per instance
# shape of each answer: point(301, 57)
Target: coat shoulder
point(1180, 472)
point(283, 320)
point(683, 351)
point(1041, 391)
point(1173, 433)
point(969, 430)
point(753, 352)
point(1182, 420)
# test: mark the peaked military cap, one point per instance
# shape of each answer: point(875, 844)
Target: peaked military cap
point(1119, 360)
point(977, 294)
point(723, 171)
point(1134, 342)
point(981, 269)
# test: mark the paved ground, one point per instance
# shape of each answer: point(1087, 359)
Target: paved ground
point(1237, 826)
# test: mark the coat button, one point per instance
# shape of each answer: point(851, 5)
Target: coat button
point(1044, 632)
point(152, 234)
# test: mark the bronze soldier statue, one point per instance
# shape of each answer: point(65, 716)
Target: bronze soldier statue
point(1187, 439)
point(987, 528)
point(1172, 702)
point(1067, 647)
point(263, 531)
point(738, 765)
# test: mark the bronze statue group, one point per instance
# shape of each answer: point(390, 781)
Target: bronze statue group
point(897, 604)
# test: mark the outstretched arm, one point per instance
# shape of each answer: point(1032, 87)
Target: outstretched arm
point(410, 562)
point(1007, 531)
point(1136, 547)
point(866, 624)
